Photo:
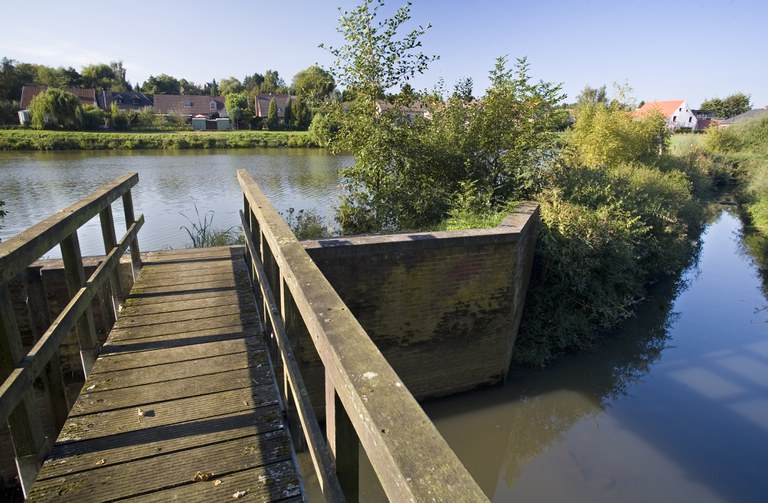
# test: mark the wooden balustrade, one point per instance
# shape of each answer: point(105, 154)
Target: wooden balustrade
point(366, 404)
point(20, 369)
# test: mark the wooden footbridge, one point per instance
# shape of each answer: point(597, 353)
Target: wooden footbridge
point(195, 395)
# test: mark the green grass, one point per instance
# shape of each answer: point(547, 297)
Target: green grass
point(28, 139)
point(683, 143)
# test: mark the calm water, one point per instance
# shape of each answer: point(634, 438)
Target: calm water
point(674, 407)
point(171, 183)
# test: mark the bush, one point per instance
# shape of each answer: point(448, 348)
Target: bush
point(605, 235)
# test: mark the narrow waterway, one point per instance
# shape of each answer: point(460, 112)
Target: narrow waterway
point(673, 407)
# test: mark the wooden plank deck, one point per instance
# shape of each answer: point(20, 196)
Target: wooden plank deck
point(183, 385)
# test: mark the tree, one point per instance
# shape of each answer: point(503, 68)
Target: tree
point(609, 136)
point(592, 95)
point(237, 109)
point(252, 83)
point(162, 84)
point(54, 107)
point(302, 117)
point(313, 85)
point(373, 60)
point(211, 88)
point(288, 113)
point(58, 77)
point(101, 77)
point(512, 134)
point(230, 85)
point(463, 90)
point(272, 83)
point(272, 115)
point(730, 106)
point(120, 83)
point(389, 185)
point(189, 88)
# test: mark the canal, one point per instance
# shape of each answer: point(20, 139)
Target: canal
point(673, 406)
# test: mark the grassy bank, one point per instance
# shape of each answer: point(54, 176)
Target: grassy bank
point(24, 139)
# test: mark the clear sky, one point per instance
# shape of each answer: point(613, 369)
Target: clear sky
point(672, 49)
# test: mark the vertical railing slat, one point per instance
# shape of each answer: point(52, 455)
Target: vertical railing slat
point(130, 219)
point(40, 320)
point(343, 443)
point(86, 327)
point(24, 423)
point(110, 241)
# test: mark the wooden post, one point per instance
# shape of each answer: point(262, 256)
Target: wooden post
point(86, 327)
point(130, 219)
point(110, 241)
point(29, 442)
point(40, 320)
point(343, 443)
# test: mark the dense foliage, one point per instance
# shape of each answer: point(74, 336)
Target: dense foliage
point(617, 213)
point(729, 106)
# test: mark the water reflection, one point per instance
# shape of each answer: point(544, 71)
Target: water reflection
point(36, 184)
point(673, 407)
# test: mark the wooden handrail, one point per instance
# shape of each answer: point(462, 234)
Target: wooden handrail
point(18, 370)
point(410, 457)
point(24, 248)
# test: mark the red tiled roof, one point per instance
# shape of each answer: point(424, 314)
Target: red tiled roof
point(86, 96)
point(187, 104)
point(666, 108)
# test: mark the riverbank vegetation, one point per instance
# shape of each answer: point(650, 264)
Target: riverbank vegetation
point(618, 212)
point(24, 139)
point(744, 148)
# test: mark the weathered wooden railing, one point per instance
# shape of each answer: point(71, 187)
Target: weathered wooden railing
point(18, 369)
point(365, 401)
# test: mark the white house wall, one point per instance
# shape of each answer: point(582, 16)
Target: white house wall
point(683, 117)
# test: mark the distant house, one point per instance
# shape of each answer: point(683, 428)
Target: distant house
point(746, 116)
point(705, 119)
point(129, 101)
point(415, 109)
point(676, 112)
point(261, 105)
point(189, 106)
point(28, 93)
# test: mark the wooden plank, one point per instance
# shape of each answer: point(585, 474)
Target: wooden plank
point(221, 299)
point(173, 371)
point(232, 322)
point(167, 413)
point(134, 302)
point(147, 359)
point(175, 340)
point(274, 482)
point(87, 455)
point(135, 396)
point(186, 316)
point(165, 471)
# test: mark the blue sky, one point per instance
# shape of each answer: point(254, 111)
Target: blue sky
point(673, 49)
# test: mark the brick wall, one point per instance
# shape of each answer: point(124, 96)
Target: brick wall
point(443, 307)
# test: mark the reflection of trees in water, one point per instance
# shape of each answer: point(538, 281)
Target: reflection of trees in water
point(755, 247)
point(580, 386)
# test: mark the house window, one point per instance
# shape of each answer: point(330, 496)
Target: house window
point(690, 119)
point(674, 118)
point(680, 109)
point(213, 106)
